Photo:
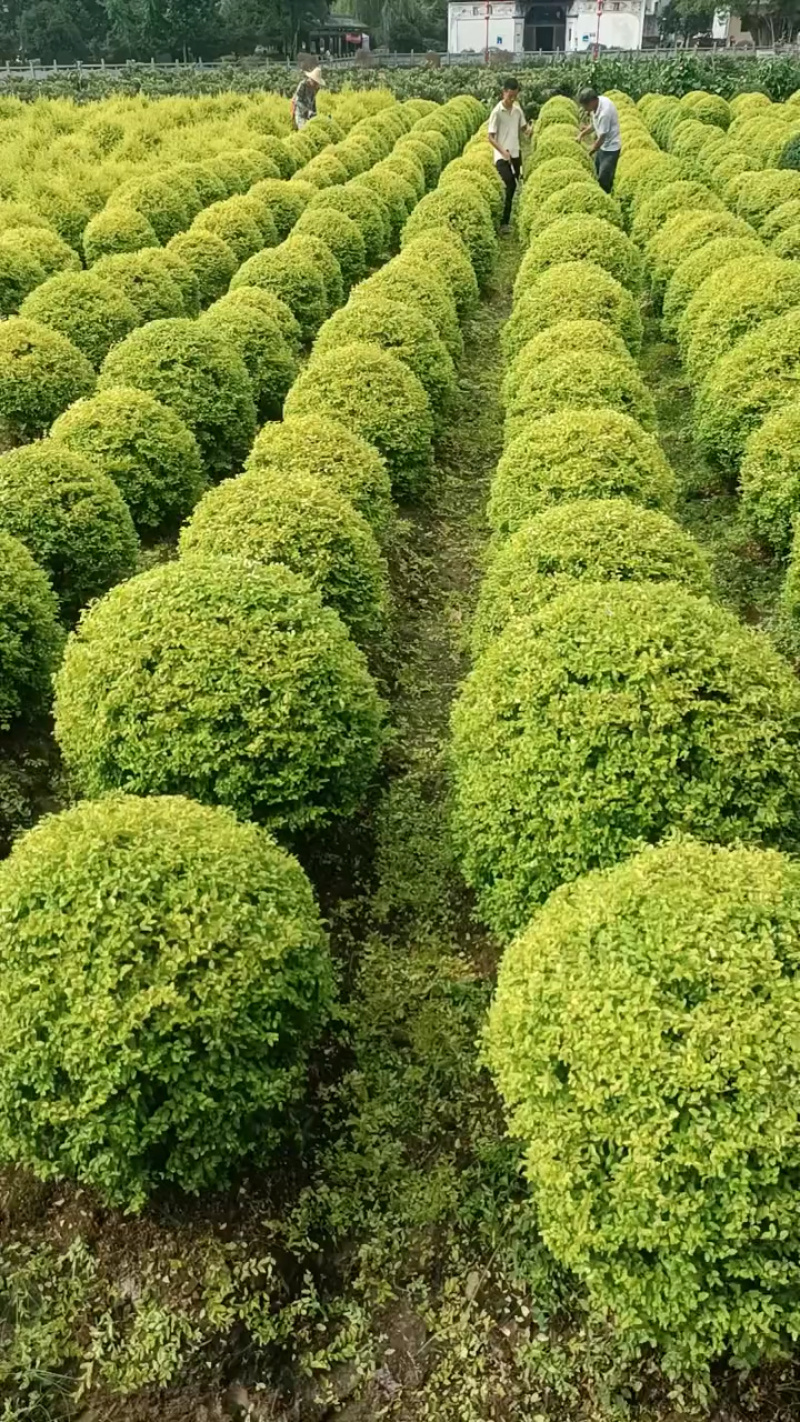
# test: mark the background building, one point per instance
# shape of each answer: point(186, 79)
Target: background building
point(549, 25)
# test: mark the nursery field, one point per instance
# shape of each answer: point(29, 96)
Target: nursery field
point(399, 763)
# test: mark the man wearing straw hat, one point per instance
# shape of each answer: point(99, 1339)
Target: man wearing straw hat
point(304, 100)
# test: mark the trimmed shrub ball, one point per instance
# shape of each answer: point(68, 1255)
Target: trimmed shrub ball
point(370, 215)
point(578, 454)
point(787, 214)
point(482, 182)
point(582, 239)
point(684, 233)
point(115, 230)
point(51, 251)
point(374, 394)
point(293, 276)
point(198, 374)
point(31, 637)
point(302, 243)
point(581, 337)
point(334, 453)
point(693, 271)
point(250, 297)
point(659, 1119)
point(306, 524)
point(397, 193)
point(209, 258)
point(584, 540)
point(159, 200)
point(659, 206)
point(458, 207)
point(616, 713)
point(787, 243)
point(405, 331)
point(342, 235)
point(445, 251)
point(234, 220)
point(769, 478)
point(708, 108)
point(572, 291)
point(89, 311)
point(284, 201)
point(71, 517)
point(756, 194)
point(258, 340)
point(553, 385)
point(577, 197)
point(41, 373)
point(414, 281)
point(191, 979)
point(226, 681)
point(731, 402)
point(742, 299)
point(146, 281)
point(144, 447)
point(20, 274)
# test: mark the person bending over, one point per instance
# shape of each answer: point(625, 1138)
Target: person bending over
point(507, 123)
point(607, 146)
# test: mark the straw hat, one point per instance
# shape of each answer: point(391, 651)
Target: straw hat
point(315, 75)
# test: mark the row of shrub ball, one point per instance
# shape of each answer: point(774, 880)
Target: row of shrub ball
point(626, 765)
point(211, 700)
point(722, 213)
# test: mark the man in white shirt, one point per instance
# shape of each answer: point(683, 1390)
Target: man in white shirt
point(607, 146)
point(507, 123)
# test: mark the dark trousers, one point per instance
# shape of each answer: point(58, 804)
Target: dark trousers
point(510, 175)
point(605, 166)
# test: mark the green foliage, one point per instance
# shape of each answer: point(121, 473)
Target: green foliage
point(708, 108)
point(398, 189)
point(309, 526)
point(86, 308)
point(159, 200)
point(366, 209)
point(790, 157)
point(546, 180)
point(571, 291)
point(576, 336)
point(583, 540)
point(555, 385)
point(144, 447)
point(684, 233)
point(115, 230)
point(145, 279)
point(403, 330)
point(578, 454)
point(195, 372)
point(332, 452)
point(575, 197)
point(787, 243)
point(284, 201)
point(31, 639)
point(769, 478)
point(689, 276)
point(249, 297)
point(20, 274)
point(423, 153)
point(412, 279)
point(466, 212)
point(786, 214)
point(293, 276)
point(731, 404)
point(244, 224)
point(443, 249)
point(680, 196)
point(258, 339)
point(342, 235)
point(324, 170)
point(581, 239)
point(374, 394)
point(756, 194)
point(41, 372)
point(209, 258)
point(71, 517)
point(479, 181)
point(192, 976)
point(226, 681)
point(184, 279)
point(735, 302)
point(51, 251)
point(317, 251)
point(643, 1039)
point(568, 732)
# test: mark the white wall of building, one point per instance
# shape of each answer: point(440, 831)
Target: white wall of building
point(621, 24)
point(467, 27)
